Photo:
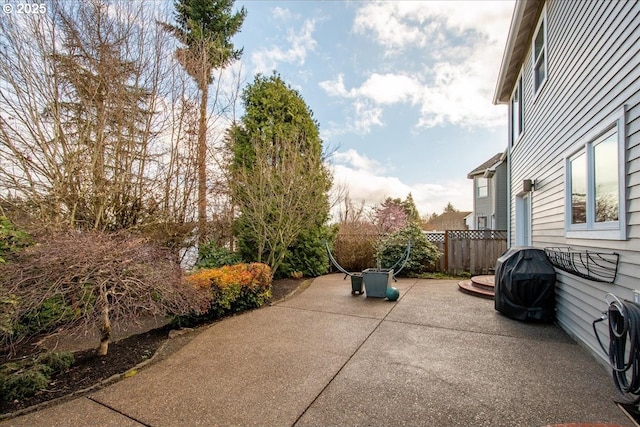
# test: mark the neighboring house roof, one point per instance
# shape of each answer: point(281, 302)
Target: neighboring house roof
point(523, 24)
point(488, 165)
point(447, 221)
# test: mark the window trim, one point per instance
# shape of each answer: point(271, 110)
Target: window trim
point(478, 186)
point(484, 217)
point(614, 230)
point(517, 88)
point(542, 24)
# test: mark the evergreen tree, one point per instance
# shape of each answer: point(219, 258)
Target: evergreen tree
point(205, 28)
point(280, 183)
point(410, 208)
point(449, 208)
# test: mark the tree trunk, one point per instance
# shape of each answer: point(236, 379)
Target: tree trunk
point(202, 165)
point(105, 329)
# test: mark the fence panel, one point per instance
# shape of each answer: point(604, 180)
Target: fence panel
point(474, 251)
point(438, 240)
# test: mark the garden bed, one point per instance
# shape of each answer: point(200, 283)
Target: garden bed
point(90, 370)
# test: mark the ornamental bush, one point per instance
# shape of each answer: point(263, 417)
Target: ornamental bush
point(28, 376)
point(234, 288)
point(423, 253)
point(212, 255)
point(90, 279)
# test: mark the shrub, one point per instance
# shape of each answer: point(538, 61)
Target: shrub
point(52, 312)
point(211, 255)
point(11, 239)
point(423, 253)
point(58, 362)
point(355, 246)
point(309, 254)
point(234, 287)
point(92, 279)
point(26, 378)
point(23, 384)
point(8, 309)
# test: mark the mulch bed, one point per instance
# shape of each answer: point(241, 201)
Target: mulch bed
point(90, 370)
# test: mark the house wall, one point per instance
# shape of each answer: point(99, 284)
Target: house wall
point(501, 198)
point(482, 205)
point(593, 70)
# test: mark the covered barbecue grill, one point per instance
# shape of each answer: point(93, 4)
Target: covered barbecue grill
point(525, 285)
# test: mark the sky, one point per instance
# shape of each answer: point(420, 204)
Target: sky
point(402, 91)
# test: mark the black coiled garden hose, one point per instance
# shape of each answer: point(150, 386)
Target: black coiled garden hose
point(624, 347)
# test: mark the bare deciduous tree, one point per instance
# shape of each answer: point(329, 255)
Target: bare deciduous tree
point(279, 196)
point(76, 132)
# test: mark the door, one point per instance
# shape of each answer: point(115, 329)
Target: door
point(523, 220)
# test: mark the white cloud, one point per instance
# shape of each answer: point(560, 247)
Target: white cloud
point(281, 13)
point(400, 24)
point(354, 160)
point(300, 43)
point(367, 181)
point(384, 89)
point(366, 116)
point(379, 90)
point(459, 45)
point(395, 24)
point(362, 119)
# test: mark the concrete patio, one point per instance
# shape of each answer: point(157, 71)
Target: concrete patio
point(435, 357)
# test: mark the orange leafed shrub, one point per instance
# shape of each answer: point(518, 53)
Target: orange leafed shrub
point(234, 287)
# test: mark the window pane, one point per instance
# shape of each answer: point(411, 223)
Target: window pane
point(515, 115)
point(579, 189)
point(539, 44)
point(605, 155)
point(540, 71)
point(483, 189)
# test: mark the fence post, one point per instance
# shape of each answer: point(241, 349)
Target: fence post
point(446, 251)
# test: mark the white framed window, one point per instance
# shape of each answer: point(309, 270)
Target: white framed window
point(539, 52)
point(595, 183)
point(516, 112)
point(482, 187)
point(482, 223)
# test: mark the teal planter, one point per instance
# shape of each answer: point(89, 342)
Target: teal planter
point(377, 281)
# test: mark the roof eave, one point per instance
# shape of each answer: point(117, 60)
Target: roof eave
point(523, 21)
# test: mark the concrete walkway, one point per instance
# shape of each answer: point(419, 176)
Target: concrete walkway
point(436, 357)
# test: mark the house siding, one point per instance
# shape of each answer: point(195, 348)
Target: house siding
point(482, 205)
point(593, 71)
point(501, 198)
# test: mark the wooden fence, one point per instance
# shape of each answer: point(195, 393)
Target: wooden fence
point(473, 251)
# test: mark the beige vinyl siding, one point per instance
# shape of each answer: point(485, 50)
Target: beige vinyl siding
point(593, 51)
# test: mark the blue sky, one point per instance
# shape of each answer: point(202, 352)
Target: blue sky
point(402, 91)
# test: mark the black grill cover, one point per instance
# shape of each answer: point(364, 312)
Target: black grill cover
point(525, 285)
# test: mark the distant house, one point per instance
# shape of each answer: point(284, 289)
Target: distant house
point(570, 75)
point(490, 194)
point(447, 221)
